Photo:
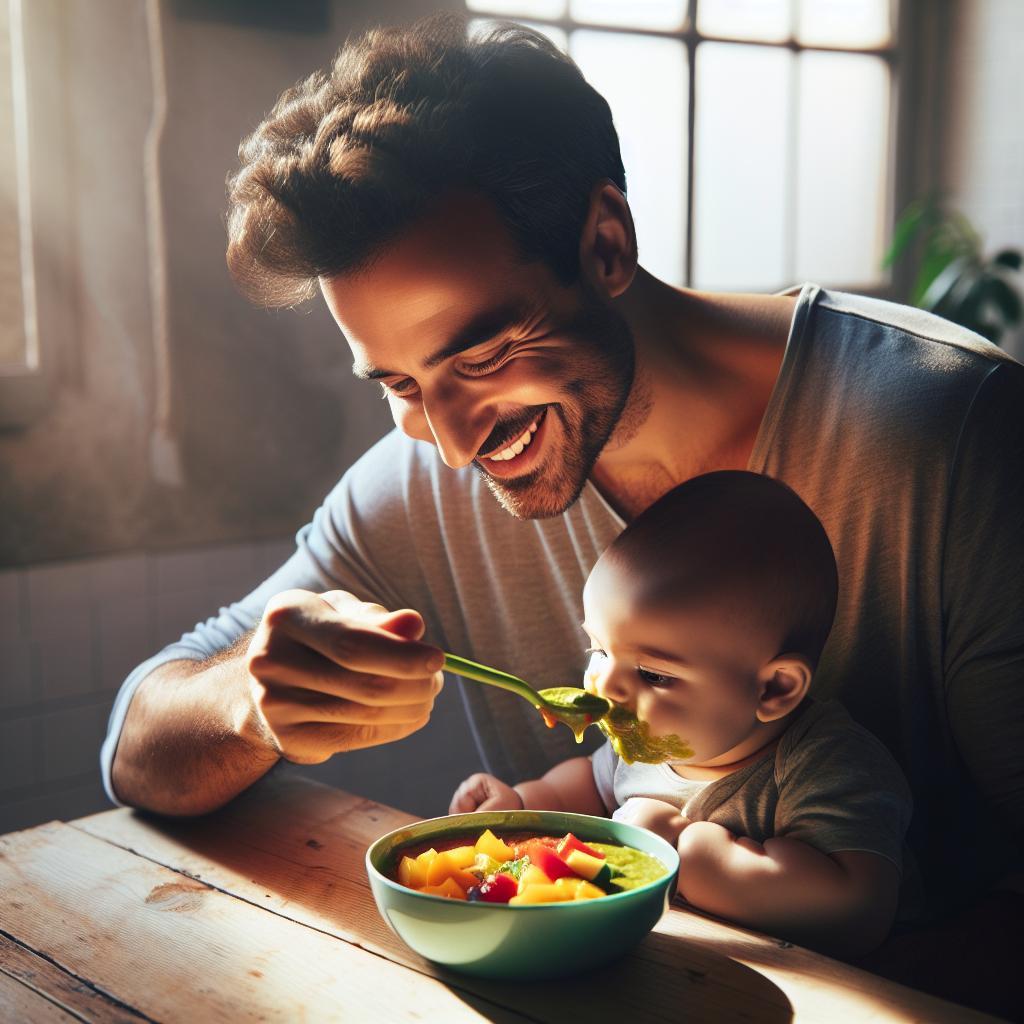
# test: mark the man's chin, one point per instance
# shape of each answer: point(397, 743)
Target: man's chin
point(530, 497)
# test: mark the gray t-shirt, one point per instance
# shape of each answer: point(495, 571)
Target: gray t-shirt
point(903, 432)
point(830, 784)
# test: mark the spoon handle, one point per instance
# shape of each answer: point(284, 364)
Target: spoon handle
point(483, 674)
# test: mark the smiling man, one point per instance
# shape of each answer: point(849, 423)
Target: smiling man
point(460, 205)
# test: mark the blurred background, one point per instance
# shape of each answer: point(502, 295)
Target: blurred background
point(161, 440)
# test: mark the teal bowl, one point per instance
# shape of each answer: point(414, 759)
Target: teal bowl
point(494, 940)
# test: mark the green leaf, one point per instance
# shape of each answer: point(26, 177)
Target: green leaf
point(938, 295)
point(907, 226)
point(1005, 297)
point(1008, 258)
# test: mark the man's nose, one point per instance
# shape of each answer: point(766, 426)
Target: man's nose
point(459, 425)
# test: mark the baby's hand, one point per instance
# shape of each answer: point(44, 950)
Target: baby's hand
point(482, 792)
point(656, 815)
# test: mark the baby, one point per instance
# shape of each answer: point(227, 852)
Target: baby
point(706, 618)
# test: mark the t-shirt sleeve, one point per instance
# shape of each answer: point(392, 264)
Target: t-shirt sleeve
point(344, 547)
point(603, 762)
point(841, 790)
point(983, 595)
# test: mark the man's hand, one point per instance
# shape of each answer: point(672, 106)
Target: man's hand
point(482, 792)
point(660, 817)
point(328, 672)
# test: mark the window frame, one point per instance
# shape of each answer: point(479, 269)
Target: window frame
point(912, 57)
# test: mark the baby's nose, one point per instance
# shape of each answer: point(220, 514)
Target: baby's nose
point(609, 685)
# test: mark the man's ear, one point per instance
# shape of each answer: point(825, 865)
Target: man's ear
point(784, 682)
point(608, 243)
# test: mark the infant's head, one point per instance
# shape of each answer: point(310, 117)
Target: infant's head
point(708, 614)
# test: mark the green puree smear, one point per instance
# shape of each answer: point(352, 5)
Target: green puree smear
point(631, 739)
point(630, 868)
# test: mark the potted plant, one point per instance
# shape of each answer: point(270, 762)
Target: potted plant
point(955, 279)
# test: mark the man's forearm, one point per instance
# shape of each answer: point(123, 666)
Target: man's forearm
point(192, 738)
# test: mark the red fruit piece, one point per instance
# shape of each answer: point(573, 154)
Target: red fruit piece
point(570, 843)
point(548, 861)
point(497, 888)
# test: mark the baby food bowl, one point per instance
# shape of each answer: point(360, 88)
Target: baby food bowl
point(495, 940)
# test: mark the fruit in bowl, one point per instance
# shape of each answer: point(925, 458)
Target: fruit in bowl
point(521, 894)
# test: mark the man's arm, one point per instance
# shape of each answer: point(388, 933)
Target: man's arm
point(321, 674)
point(192, 738)
point(842, 904)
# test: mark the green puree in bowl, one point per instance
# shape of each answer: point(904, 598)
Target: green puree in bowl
point(630, 868)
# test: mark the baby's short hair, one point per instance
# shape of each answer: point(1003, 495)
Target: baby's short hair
point(746, 543)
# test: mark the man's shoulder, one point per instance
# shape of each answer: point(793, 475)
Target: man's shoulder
point(868, 317)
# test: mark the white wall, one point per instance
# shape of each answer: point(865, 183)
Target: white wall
point(983, 167)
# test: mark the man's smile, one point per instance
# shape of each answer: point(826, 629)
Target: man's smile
point(517, 454)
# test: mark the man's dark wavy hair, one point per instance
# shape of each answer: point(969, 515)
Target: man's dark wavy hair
point(350, 158)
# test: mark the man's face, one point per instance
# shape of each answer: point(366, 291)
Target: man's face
point(489, 358)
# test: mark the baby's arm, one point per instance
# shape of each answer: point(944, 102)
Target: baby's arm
point(569, 786)
point(842, 903)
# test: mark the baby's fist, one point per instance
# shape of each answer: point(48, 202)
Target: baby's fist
point(482, 792)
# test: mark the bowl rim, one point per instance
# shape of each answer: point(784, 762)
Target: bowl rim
point(374, 873)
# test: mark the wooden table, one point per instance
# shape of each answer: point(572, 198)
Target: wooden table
point(262, 912)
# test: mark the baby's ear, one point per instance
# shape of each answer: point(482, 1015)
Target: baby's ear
point(784, 683)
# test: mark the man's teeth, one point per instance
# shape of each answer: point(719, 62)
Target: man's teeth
point(517, 446)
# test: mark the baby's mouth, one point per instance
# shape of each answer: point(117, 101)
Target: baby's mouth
point(631, 739)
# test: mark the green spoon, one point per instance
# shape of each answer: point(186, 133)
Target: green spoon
point(569, 704)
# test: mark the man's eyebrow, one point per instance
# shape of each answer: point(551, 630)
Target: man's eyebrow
point(481, 327)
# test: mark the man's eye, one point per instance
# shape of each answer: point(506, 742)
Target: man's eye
point(404, 388)
point(653, 678)
point(486, 365)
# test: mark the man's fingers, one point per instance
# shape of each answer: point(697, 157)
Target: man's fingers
point(365, 649)
point(287, 706)
point(314, 743)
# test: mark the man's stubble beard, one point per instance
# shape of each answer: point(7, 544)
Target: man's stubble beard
point(604, 373)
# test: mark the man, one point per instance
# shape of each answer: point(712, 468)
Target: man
point(461, 208)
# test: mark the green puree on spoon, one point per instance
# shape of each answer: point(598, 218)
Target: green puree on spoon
point(569, 704)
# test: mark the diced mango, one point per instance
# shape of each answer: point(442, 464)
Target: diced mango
point(579, 888)
point(449, 888)
point(541, 892)
point(427, 856)
point(445, 865)
point(494, 847)
point(462, 856)
point(412, 872)
point(532, 876)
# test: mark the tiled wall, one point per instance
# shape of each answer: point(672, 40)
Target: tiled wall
point(69, 634)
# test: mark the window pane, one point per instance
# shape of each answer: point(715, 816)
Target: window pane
point(767, 20)
point(519, 8)
point(740, 145)
point(842, 159)
point(556, 35)
point(844, 23)
point(18, 340)
point(644, 80)
point(664, 15)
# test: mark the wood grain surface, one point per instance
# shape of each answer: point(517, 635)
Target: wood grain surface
point(262, 911)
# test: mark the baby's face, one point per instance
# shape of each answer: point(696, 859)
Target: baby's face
point(682, 667)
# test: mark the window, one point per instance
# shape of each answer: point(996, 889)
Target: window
point(756, 134)
point(21, 384)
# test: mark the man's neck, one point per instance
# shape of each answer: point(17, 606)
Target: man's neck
point(705, 368)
